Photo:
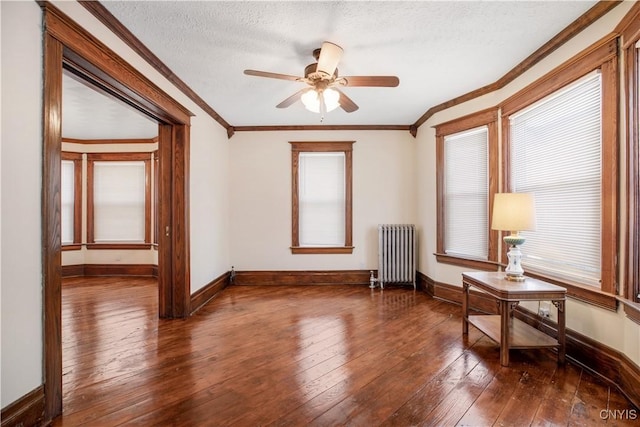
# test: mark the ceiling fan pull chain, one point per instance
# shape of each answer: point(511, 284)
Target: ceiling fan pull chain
point(323, 106)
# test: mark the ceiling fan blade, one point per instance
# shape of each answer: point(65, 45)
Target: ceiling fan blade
point(271, 75)
point(292, 99)
point(330, 55)
point(346, 103)
point(376, 81)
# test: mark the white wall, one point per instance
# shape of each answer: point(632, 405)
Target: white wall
point(260, 170)
point(610, 328)
point(21, 264)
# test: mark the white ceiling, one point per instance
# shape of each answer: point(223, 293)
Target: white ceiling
point(89, 114)
point(438, 49)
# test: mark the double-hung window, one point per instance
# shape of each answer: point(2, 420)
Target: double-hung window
point(560, 143)
point(71, 200)
point(466, 151)
point(119, 200)
point(321, 197)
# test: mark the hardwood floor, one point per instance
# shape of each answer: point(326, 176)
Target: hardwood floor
point(308, 355)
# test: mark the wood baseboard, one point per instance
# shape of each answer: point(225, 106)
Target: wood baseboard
point(26, 411)
point(296, 278)
point(478, 301)
point(147, 270)
point(209, 291)
point(600, 359)
point(604, 361)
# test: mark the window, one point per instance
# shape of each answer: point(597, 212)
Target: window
point(119, 195)
point(560, 144)
point(467, 172)
point(71, 201)
point(321, 197)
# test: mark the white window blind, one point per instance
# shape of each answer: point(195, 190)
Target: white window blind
point(321, 183)
point(119, 201)
point(67, 193)
point(466, 188)
point(556, 147)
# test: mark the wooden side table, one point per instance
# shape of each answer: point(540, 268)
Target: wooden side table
point(504, 328)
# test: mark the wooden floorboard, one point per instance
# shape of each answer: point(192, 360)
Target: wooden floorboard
point(308, 355)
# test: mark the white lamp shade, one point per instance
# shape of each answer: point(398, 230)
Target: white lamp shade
point(514, 212)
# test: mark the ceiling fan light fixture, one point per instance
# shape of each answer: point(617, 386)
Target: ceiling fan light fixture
point(311, 99)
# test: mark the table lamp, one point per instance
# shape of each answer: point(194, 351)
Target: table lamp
point(514, 212)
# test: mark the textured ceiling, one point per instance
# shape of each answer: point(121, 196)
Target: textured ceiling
point(88, 114)
point(438, 49)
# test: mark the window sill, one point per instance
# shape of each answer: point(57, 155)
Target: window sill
point(467, 262)
point(72, 247)
point(583, 293)
point(631, 309)
point(133, 246)
point(321, 250)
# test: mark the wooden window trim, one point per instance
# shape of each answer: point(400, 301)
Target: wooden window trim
point(489, 118)
point(298, 147)
point(76, 158)
point(600, 56)
point(91, 159)
point(630, 31)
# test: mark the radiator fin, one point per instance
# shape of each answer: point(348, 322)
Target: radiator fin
point(397, 254)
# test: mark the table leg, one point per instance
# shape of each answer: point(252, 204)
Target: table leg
point(504, 333)
point(560, 305)
point(465, 308)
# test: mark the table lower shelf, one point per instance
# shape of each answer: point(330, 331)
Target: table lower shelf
point(521, 335)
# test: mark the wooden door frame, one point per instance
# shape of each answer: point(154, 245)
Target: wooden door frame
point(67, 45)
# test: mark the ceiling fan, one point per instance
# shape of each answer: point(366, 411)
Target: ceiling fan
point(322, 94)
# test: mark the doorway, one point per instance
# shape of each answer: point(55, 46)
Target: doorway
point(68, 46)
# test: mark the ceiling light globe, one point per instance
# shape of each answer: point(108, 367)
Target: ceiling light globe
point(331, 99)
point(311, 101)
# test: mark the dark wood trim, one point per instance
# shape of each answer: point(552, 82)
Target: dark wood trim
point(205, 294)
point(584, 293)
point(629, 26)
point(320, 127)
point(96, 270)
point(113, 24)
point(180, 225)
point(467, 122)
point(51, 239)
point(293, 278)
point(630, 29)
point(26, 411)
point(592, 58)
point(598, 358)
point(76, 270)
point(475, 264)
point(631, 309)
point(478, 301)
point(489, 118)
point(321, 250)
point(322, 146)
point(85, 53)
point(68, 45)
point(119, 246)
point(110, 141)
point(589, 17)
point(609, 364)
